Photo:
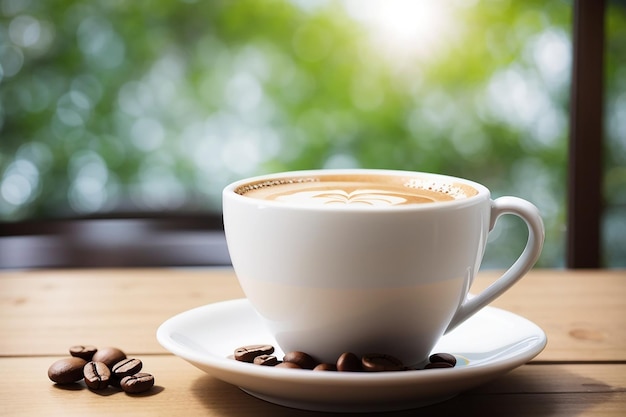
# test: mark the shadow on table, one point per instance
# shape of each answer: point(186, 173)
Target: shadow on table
point(108, 391)
point(515, 394)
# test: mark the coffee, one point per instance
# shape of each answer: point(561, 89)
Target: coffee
point(356, 190)
point(303, 360)
point(109, 355)
point(138, 383)
point(67, 370)
point(126, 367)
point(97, 375)
point(248, 353)
point(84, 352)
point(346, 362)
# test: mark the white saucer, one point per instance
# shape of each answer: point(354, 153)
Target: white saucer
point(487, 345)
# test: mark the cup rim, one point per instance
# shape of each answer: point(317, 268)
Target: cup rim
point(481, 194)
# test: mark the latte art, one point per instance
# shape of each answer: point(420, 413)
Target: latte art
point(355, 190)
point(349, 196)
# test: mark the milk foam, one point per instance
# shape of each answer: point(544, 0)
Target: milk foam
point(356, 190)
point(357, 197)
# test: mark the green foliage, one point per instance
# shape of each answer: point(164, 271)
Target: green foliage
point(156, 105)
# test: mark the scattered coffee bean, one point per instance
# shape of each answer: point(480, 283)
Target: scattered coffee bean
point(138, 383)
point(109, 355)
point(108, 367)
point(266, 360)
point(126, 367)
point(349, 362)
point(67, 370)
point(84, 352)
point(248, 353)
point(325, 367)
point(303, 360)
point(435, 365)
point(443, 357)
point(288, 365)
point(378, 362)
point(97, 375)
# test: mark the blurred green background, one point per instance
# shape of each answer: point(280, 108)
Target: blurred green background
point(144, 106)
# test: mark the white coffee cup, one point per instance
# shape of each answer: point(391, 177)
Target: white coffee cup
point(366, 261)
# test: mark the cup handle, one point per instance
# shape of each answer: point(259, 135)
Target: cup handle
point(536, 235)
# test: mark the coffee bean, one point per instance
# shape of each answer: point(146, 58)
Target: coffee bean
point(97, 375)
point(325, 367)
point(349, 362)
point(303, 360)
point(126, 367)
point(84, 352)
point(434, 365)
point(266, 360)
point(135, 384)
point(248, 353)
point(378, 362)
point(288, 365)
point(443, 357)
point(109, 355)
point(67, 370)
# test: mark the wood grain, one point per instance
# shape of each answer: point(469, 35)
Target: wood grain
point(581, 372)
point(101, 307)
point(181, 389)
point(582, 312)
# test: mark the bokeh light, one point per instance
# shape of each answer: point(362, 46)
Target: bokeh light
point(148, 107)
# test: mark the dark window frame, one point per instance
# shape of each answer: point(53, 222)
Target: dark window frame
point(584, 205)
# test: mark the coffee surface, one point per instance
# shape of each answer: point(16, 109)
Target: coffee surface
point(356, 190)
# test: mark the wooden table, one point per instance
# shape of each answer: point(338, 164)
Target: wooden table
point(582, 371)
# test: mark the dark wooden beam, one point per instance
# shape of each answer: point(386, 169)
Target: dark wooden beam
point(586, 136)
